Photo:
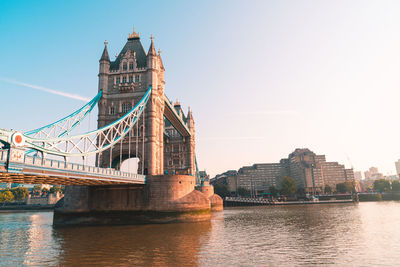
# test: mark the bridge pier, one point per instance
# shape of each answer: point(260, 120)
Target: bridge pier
point(163, 199)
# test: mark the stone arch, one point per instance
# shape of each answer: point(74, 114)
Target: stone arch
point(115, 164)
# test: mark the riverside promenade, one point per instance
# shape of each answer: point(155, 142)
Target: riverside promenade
point(242, 201)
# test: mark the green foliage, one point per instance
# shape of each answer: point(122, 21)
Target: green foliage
point(288, 186)
point(37, 188)
point(381, 185)
point(346, 187)
point(220, 189)
point(328, 189)
point(56, 189)
point(396, 186)
point(273, 191)
point(243, 192)
point(20, 193)
point(6, 196)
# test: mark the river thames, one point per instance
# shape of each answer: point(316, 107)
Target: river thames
point(364, 234)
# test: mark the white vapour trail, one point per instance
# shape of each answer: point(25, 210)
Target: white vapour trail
point(47, 90)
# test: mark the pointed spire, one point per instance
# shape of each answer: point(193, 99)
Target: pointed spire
point(105, 56)
point(152, 49)
point(133, 35)
point(189, 114)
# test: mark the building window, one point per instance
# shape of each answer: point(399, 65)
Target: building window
point(130, 79)
point(112, 110)
point(170, 162)
point(131, 65)
point(126, 107)
point(137, 78)
point(125, 66)
point(118, 80)
point(124, 79)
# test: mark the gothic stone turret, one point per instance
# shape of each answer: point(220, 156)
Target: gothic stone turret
point(124, 82)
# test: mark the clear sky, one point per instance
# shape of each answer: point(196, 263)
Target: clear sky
point(262, 77)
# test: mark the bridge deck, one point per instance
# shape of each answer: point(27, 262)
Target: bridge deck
point(36, 170)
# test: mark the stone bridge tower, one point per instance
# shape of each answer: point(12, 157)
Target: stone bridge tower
point(124, 82)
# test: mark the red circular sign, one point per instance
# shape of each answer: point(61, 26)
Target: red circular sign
point(18, 139)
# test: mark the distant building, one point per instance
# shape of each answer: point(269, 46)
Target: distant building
point(358, 175)
point(310, 172)
point(259, 177)
point(228, 178)
point(397, 164)
point(373, 174)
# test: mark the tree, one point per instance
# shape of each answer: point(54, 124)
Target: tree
point(395, 186)
point(243, 192)
point(288, 186)
point(381, 185)
point(341, 188)
point(20, 193)
point(6, 196)
point(56, 189)
point(220, 189)
point(345, 187)
point(37, 188)
point(45, 190)
point(328, 189)
point(273, 191)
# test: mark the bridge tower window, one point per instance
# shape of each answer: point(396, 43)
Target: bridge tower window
point(126, 107)
point(112, 110)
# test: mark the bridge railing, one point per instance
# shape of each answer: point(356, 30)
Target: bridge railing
point(3, 155)
point(52, 164)
point(69, 166)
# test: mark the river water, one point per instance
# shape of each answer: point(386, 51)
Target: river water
point(364, 234)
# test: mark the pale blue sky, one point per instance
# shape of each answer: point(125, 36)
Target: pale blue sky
point(262, 77)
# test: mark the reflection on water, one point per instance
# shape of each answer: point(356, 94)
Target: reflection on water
point(145, 245)
point(346, 234)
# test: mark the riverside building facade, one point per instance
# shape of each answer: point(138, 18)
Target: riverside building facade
point(311, 172)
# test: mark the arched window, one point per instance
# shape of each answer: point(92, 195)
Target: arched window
point(126, 107)
point(125, 66)
point(130, 65)
point(140, 130)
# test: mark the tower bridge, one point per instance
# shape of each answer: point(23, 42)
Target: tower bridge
point(135, 120)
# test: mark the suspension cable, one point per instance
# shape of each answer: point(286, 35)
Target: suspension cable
point(100, 154)
point(143, 132)
point(137, 145)
point(129, 150)
point(111, 155)
point(120, 153)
